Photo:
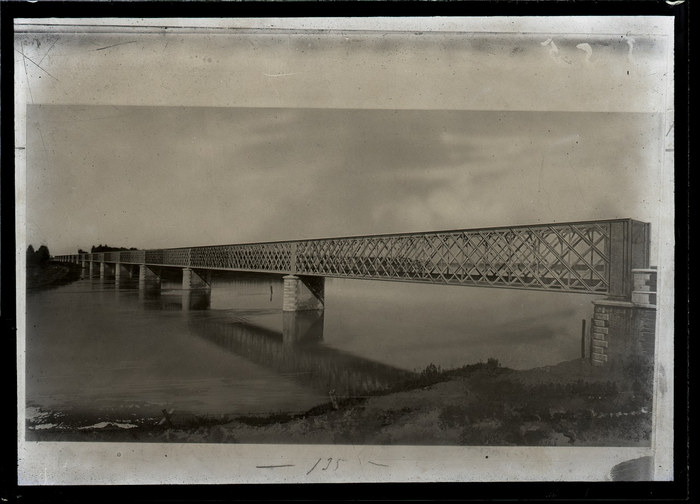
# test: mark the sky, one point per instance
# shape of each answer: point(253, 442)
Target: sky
point(170, 140)
point(159, 177)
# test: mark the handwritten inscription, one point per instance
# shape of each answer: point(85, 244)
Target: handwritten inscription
point(329, 461)
point(325, 466)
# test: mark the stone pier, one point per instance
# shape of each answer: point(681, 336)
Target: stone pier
point(303, 293)
point(195, 279)
point(624, 330)
point(147, 275)
point(105, 270)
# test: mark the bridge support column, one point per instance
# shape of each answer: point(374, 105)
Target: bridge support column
point(192, 279)
point(624, 331)
point(91, 268)
point(120, 269)
point(147, 275)
point(303, 293)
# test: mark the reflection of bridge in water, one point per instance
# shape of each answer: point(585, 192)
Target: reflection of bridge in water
point(178, 300)
point(296, 351)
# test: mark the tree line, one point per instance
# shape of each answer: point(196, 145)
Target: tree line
point(38, 257)
point(104, 248)
point(41, 256)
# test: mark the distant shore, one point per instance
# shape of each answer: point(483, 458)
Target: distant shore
point(570, 404)
point(51, 274)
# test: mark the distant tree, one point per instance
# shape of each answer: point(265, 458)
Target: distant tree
point(38, 257)
point(81, 251)
point(42, 255)
point(31, 259)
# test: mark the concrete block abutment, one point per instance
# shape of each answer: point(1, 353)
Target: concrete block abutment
point(624, 331)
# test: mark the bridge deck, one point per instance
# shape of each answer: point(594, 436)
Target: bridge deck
point(593, 257)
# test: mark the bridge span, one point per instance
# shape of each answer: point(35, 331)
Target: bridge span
point(603, 257)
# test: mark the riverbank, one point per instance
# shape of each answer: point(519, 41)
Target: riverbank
point(51, 274)
point(570, 404)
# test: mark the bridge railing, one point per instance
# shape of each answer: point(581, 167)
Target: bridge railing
point(594, 257)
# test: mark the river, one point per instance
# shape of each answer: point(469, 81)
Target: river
point(98, 345)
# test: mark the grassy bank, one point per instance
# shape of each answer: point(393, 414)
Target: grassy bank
point(569, 404)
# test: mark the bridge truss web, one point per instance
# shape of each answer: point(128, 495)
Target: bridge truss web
point(547, 258)
point(590, 257)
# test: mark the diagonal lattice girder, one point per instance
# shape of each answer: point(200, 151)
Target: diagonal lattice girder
point(594, 257)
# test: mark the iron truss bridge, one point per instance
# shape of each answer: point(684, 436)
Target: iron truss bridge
point(593, 257)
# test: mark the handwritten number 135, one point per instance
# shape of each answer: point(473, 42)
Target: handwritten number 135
point(330, 461)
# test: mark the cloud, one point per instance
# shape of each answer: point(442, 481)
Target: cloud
point(166, 177)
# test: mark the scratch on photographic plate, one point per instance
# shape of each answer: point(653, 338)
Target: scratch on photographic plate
point(47, 52)
point(281, 75)
point(26, 73)
point(114, 45)
point(27, 58)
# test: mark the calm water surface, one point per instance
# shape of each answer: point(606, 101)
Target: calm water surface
point(97, 345)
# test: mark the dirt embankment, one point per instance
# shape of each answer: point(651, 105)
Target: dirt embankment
point(484, 404)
